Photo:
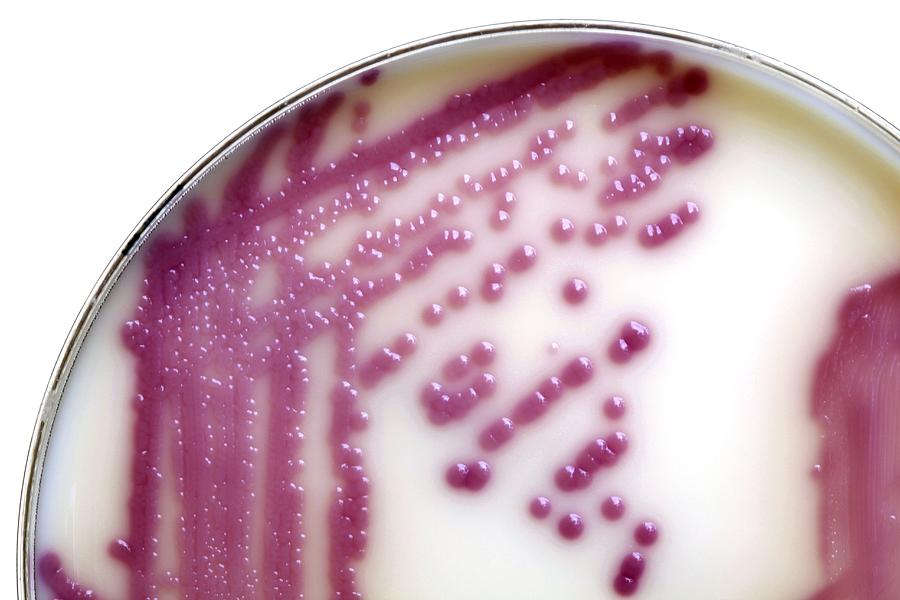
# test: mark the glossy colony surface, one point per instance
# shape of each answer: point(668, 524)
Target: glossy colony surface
point(537, 316)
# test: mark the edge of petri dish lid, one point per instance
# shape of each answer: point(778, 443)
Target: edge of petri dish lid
point(864, 116)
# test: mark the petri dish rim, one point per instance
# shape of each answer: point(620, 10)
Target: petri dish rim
point(868, 119)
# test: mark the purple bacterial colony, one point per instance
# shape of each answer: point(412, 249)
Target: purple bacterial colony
point(200, 345)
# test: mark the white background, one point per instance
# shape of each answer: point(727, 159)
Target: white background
point(103, 106)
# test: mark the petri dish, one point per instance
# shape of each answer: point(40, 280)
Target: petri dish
point(535, 310)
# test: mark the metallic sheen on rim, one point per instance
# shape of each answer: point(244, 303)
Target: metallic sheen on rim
point(50, 404)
